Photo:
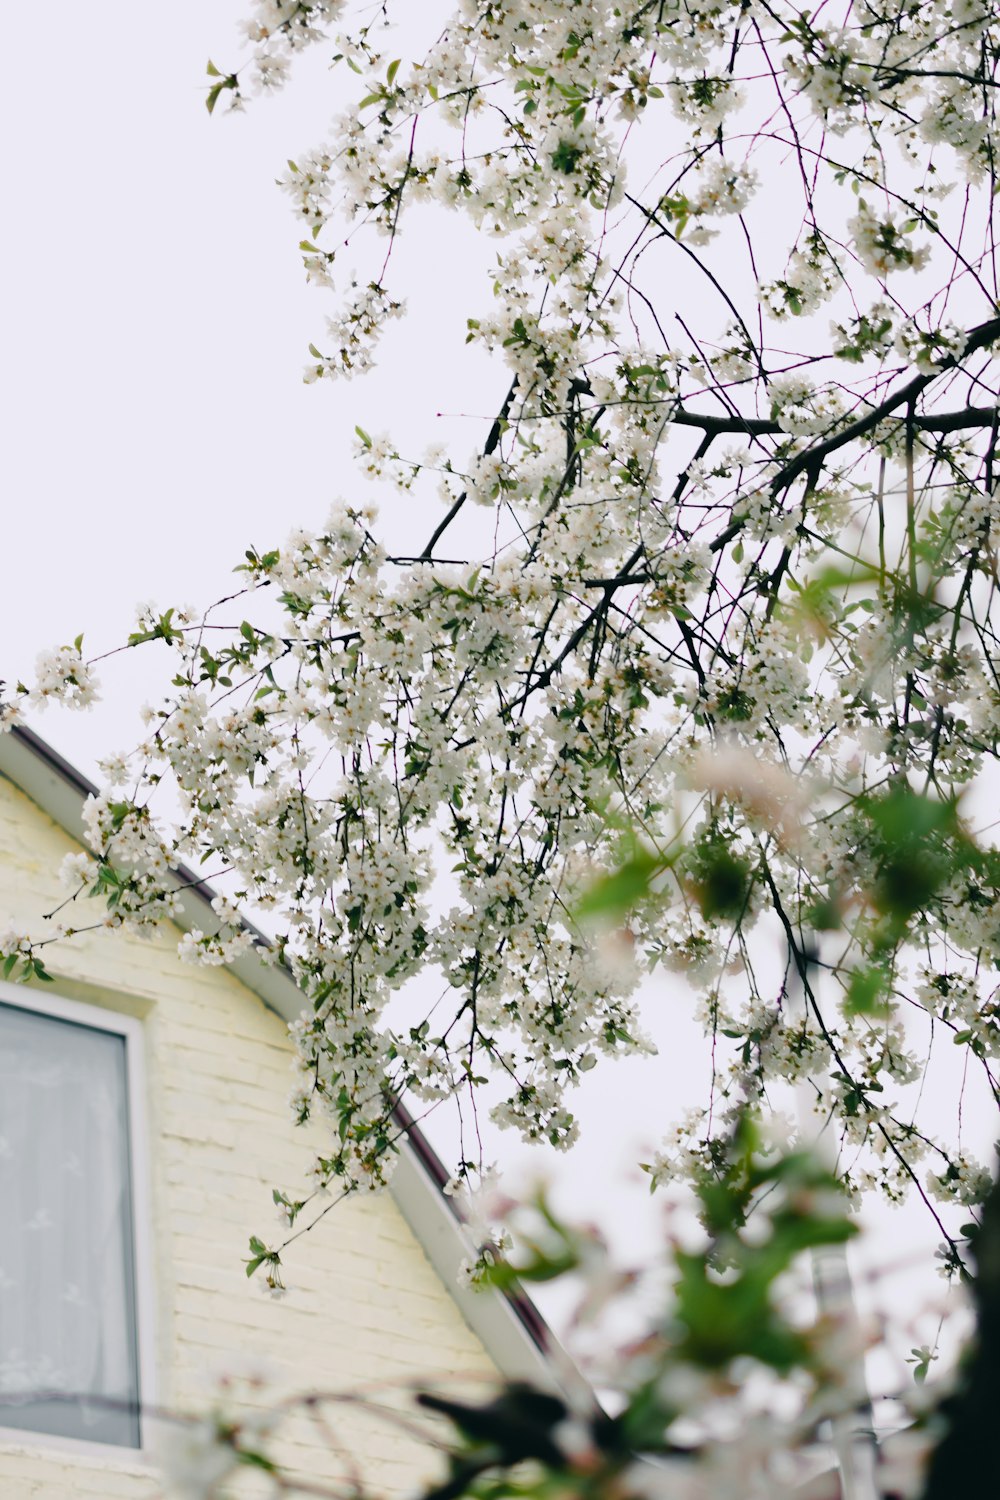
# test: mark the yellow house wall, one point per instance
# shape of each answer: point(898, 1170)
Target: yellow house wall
point(365, 1306)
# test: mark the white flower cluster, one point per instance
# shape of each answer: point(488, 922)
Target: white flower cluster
point(802, 408)
point(62, 676)
point(684, 538)
point(929, 348)
point(280, 28)
point(810, 279)
point(354, 335)
point(883, 245)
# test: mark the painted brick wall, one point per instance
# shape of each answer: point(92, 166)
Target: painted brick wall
point(366, 1307)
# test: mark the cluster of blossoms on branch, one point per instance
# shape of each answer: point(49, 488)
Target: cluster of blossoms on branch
point(718, 664)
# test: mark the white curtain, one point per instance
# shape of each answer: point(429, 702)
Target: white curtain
point(67, 1300)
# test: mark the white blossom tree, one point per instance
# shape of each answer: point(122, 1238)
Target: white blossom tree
point(700, 648)
point(697, 665)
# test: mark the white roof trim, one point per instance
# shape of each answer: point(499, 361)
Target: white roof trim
point(511, 1330)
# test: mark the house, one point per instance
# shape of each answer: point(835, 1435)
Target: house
point(142, 1127)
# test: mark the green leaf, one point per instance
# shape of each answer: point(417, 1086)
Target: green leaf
point(921, 843)
point(612, 896)
point(363, 435)
point(565, 157)
point(824, 916)
point(256, 1461)
point(391, 71)
point(212, 70)
point(720, 879)
point(921, 1359)
point(866, 992)
point(212, 98)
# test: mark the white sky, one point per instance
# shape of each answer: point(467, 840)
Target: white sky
point(155, 325)
point(154, 331)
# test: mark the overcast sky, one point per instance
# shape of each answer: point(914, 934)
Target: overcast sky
point(154, 331)
point(155, 327)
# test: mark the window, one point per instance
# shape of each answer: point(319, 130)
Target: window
point(69, 1334)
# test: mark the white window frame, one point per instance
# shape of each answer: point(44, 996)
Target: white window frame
point(44, 1003)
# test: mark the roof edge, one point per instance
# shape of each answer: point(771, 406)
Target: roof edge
point(510, 1327)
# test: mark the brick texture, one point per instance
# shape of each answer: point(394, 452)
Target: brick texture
point(365, 1309)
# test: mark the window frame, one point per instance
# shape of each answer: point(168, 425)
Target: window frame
point(130, 1028)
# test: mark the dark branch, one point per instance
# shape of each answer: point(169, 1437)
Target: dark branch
point(495, 434)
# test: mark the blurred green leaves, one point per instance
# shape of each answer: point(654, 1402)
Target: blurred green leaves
point(726, 1305)
point(918, 843)
point(761, 1208)
point(612, 896)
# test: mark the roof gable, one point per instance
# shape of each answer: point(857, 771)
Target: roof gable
point(508, 1325)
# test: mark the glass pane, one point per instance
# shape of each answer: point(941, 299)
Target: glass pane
point(68, 1358)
